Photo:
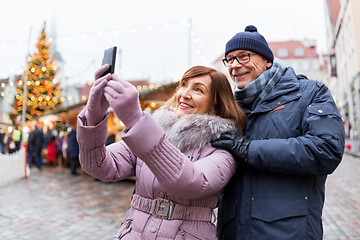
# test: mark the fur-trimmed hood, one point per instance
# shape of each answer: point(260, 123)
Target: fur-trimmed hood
point(191, 130)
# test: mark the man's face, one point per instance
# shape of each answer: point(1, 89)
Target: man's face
point(243, 74)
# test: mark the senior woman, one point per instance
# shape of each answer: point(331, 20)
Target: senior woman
point(179, 175)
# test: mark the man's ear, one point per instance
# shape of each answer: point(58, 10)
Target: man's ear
point(268, 64)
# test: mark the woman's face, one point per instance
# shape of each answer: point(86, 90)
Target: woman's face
point(194, 96)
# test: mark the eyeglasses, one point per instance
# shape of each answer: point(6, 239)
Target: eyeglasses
point(241, 59)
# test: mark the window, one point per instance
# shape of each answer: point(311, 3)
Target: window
point(348, 27)
point(299, 52)
point(299, 66)
point(282, 52)
point(312, 65)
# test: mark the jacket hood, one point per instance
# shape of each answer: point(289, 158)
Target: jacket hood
point(191, 130)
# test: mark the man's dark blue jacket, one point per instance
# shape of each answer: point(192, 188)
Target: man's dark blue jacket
point(297, 139)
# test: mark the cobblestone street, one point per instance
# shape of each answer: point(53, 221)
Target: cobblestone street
point(53, 204)
point(341, 216)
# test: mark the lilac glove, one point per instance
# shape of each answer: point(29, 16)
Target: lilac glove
point(97, 104)
point(124, 99)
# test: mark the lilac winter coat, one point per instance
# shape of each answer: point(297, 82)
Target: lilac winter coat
point(179, 175)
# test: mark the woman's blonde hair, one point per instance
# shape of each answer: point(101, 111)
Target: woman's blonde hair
point(223, 98)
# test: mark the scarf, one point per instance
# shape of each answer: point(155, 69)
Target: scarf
point(249, 96)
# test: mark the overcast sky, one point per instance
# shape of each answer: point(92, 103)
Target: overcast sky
point(153, 35)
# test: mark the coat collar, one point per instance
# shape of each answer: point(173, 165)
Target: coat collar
point(191, 130)
point(286, 90)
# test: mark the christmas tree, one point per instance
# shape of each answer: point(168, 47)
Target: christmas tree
point(42, 91)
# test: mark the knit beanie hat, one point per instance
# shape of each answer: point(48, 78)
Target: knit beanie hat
point(250, 40)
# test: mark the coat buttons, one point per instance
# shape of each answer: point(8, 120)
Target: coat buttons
point(320, 111)
point(153, 229)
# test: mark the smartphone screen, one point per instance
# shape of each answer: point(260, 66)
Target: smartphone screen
point(109, 58)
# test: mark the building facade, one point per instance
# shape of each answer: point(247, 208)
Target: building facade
point(301, 56)
point(343, 36)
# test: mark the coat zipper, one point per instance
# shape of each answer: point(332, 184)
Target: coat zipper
point(183, 233)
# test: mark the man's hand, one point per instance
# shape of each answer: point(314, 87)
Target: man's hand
point(236, 144)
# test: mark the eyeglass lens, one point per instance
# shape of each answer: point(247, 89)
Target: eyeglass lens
point(241, 59)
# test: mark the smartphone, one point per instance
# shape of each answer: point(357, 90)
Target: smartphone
point(109, 58)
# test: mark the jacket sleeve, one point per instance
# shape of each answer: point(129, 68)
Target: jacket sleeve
point(318, 151)
point(174, 171)
point(109, 164)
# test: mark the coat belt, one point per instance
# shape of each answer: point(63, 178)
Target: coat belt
point(169, 210)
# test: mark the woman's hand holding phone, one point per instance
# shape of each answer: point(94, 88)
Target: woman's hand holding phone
point(97, 104)
point(124, 100)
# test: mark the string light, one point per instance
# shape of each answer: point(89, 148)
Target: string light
point(133, 29)
point(100, 33)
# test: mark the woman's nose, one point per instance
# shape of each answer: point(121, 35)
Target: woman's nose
point(186, 94)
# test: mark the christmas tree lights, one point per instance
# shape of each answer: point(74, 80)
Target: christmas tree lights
point(42, 91)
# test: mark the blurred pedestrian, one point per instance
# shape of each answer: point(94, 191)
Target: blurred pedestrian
point(64, 148)
point(51, 148)
point(10, 144)
point(73, 151)
point(2, 141)
point(59, 142)
point(35, 145)
point(16, 136)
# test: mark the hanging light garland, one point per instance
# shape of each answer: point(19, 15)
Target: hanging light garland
point(132, 29)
